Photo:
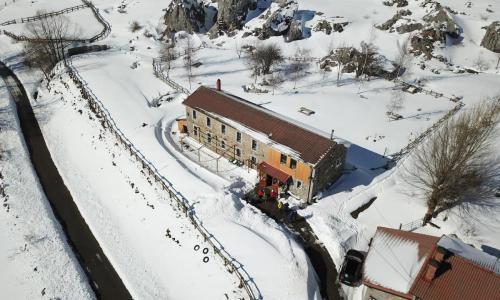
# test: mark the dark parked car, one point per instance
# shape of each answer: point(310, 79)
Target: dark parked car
point(350, 274)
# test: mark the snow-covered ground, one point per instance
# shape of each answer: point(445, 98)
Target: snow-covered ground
point(82, 22)
point(356, 112)
point(36, 261)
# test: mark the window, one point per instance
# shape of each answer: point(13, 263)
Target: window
point(194, 114)
point(209, 122)
point(223, 144)
point(209, 138)
point(293, 163)
point(254, 145)
point(238, 152)
point(283, 159)
point(299, 184)
point(195, 130)
point(223, 128)
point(254, 160)
point(238, 137)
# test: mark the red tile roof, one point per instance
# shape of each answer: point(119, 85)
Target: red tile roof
point(311, 146)
point(458, 278)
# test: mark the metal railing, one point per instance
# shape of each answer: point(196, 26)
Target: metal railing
point(158, 71)
point(232, 265)
point(414, 225)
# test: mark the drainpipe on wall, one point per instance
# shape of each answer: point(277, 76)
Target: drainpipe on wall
point(311, 183)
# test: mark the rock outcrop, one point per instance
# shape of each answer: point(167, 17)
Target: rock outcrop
point(233, 13)
point(186, 15)
point(491, 39)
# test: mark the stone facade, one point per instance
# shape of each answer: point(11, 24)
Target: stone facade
point(307, 179)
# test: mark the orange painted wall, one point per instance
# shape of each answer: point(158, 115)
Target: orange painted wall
point(302, 172)
point(181, 123)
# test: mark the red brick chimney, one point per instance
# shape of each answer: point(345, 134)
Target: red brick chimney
point(431, 270)
point(218, 85)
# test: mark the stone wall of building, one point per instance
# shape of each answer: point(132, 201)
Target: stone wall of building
point(329, 169)
point(229, 138)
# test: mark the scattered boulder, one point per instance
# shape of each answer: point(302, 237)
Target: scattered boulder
point(339, 27)
point(278, 23)
point(324, 26)
point(491, 39)
point(388, 25)
point(294, 31)
point(441, 19)
point(410, 27)
point(399, 3)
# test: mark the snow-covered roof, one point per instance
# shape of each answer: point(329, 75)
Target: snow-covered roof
point(395, 258)
point(476, 256)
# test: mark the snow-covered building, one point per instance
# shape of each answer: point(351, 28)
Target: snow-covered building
point(287, 155)
point(407, 265)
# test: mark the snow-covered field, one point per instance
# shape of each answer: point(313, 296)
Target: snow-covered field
point(36, 261)
point(122, 78)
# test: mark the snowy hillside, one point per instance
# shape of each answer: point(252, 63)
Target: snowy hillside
point(146, 236)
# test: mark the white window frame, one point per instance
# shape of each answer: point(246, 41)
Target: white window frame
point(194, 114)
point(196, 130)
point(223, 144)
point(223, 128)
point(209, 137)
point(209, 122)
point(236, 150)
point(241, 137)
point(290, 164)
point(253, 159)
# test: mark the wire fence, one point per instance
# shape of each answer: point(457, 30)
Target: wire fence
point(100, 36)
point(231, 264)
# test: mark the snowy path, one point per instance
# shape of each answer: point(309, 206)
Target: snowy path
point(240, 228)
point(103, 277)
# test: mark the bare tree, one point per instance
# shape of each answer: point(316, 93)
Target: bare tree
point(341, 56)
point(395, 104)
point(238, 48)
point(189, 58)
point(368, 60)
point(51, 35)
point(264, 58)
point(299, 64)
point(481, 64)
point(458, 161)
point(403, 57)
point(275, 81)
point(35, 57)
point(167, 55)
